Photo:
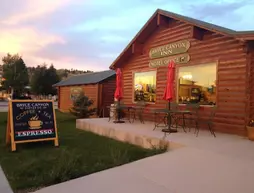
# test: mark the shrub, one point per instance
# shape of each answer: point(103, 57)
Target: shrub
point(82, 107)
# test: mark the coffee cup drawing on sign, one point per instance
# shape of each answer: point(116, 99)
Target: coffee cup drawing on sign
point(35, 123)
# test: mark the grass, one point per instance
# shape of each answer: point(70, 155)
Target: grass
point(37, 165)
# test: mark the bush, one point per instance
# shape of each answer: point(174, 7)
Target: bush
point(82, 107)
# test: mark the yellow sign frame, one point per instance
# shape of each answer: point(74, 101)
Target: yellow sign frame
point(10, 128)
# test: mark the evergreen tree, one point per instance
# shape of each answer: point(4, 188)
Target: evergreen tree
point(15, 73)
point(38, 77)
point(42, 80)
point(82, 107)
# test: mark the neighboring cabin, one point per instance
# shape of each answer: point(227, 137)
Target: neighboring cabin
point(98, 86)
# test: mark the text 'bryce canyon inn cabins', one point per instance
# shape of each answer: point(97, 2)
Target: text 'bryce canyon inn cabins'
point(214, 66)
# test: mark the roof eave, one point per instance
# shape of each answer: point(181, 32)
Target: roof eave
point(97, 82)
point(245, 37)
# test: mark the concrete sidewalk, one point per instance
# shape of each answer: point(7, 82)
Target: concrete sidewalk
point(203, 164)
point(4, 185)
point(185, 170)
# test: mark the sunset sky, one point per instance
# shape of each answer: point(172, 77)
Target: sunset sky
point(90, 34)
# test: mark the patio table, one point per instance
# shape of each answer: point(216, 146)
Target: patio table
point(169, 115)
point(120, 108)
point(138, 111)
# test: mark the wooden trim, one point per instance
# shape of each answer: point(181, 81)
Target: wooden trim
point(197, 33)
point(162, 21)
point(245, 37)
point(248, 83)
point(59, 98)
point(56, 141)
point(97, 96)
point(177, 82)
point(99, 105)
point(158, 19)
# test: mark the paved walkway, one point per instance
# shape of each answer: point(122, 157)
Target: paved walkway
point(205, 165)
point(187, 170)
point(4, 185)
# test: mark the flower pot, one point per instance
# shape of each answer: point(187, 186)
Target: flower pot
point(250, 132)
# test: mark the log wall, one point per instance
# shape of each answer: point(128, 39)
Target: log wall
point(231, 57)
point(251, 83)
point(107, 90)
point(65, 102)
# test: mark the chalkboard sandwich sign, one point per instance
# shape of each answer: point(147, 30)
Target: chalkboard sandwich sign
point(31, 121)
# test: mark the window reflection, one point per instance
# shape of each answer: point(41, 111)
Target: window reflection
point(145, 86)
point(197, 84)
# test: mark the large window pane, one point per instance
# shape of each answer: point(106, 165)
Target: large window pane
point(197, 84)
point(145, 86)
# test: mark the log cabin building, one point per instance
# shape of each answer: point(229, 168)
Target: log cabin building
point(214, 66)
point(98, 86)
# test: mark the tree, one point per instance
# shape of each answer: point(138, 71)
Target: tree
point(51, 77)
point(82, 107)
point(38, 77)
point(15, 73)
point(42, 80)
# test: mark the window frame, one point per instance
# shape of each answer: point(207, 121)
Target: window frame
point(216, 62)
point(133, 81)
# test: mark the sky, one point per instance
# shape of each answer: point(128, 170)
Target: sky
point(90, 34)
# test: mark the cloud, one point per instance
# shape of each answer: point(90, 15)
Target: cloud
point(134, 18)
point(25, 40)
point(113, 38)
point(90, 34)
point(226, 13)
point(34, 10)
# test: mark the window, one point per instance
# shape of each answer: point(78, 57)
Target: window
point(145, 86)
point(197, 84)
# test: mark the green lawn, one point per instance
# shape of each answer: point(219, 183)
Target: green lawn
point(36, 165)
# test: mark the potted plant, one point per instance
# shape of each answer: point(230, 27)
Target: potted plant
point(250, 130)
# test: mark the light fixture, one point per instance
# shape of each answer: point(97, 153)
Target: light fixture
point(187, 76)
